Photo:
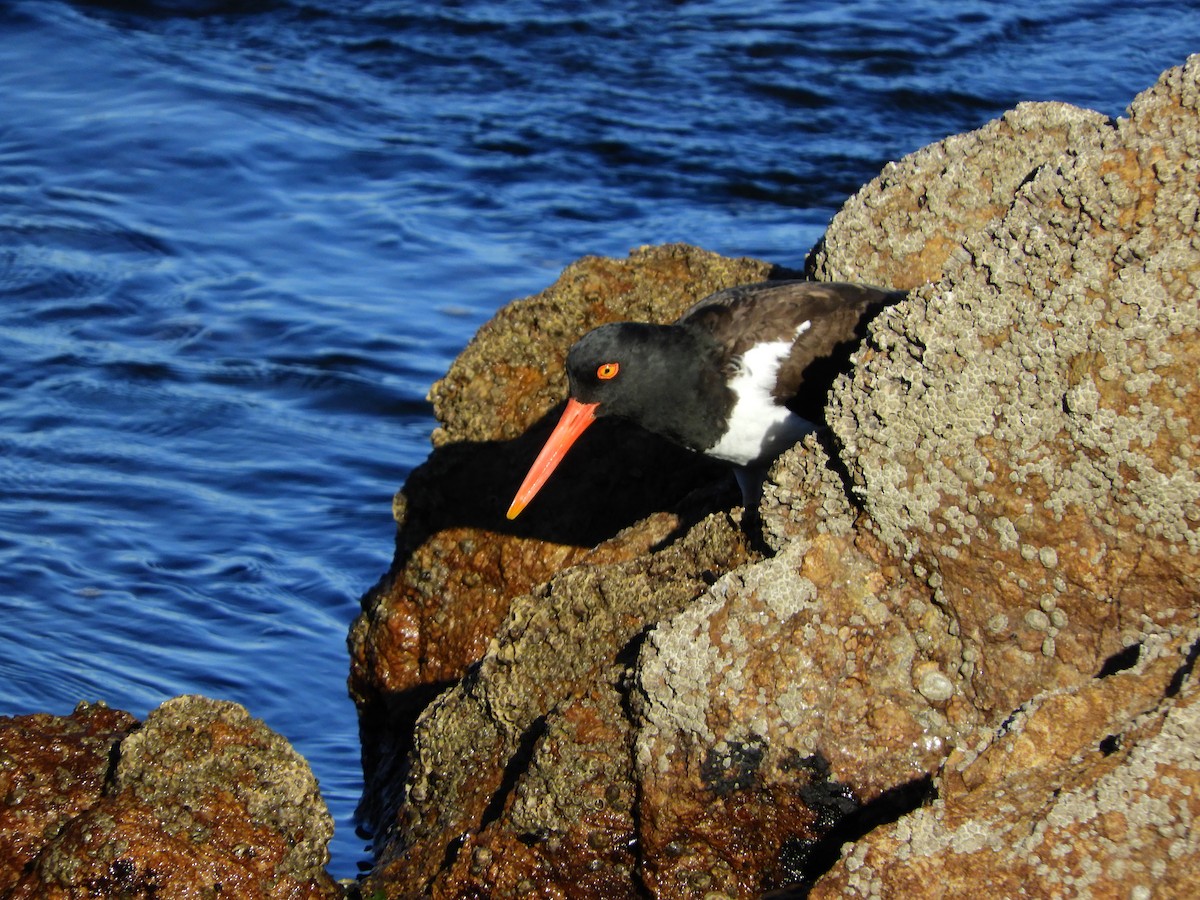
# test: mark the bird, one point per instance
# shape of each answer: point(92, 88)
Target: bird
point(740, 377)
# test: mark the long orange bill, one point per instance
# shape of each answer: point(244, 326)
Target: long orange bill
point(575, 420)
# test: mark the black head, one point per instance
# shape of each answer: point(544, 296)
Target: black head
point(615, 366)
point(654, 375)
point(649, 374)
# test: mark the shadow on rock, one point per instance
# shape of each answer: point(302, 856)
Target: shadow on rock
point(615, 476)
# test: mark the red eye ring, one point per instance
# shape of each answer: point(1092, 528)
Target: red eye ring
point(608, 370)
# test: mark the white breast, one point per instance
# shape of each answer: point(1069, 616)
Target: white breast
point(758, 426)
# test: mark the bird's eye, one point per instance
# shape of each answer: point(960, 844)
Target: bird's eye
point(608, 371)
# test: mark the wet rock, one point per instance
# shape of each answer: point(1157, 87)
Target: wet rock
point(526, 761)
point(965, 662)
point(200, 800)
point(459, 563)
point(52, 769)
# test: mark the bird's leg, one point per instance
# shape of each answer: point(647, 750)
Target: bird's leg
point(750, 479)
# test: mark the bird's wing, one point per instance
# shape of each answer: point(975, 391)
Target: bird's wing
point(836, 315)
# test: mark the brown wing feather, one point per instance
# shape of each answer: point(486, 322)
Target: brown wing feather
point(740, 317)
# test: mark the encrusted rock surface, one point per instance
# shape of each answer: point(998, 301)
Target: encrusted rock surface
point(795, 691)
point(52, 769)
point(459, 563)
point(1023, 432)
point(1023, 429)
point(961, 656)
point(200, 800)
point(525, 756)
point(1092, 791)
point(903, 227)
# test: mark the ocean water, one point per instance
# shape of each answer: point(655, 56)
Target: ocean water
point(239, 240)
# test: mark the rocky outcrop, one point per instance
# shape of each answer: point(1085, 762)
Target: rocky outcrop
point(199, 800)
point(906, 225)
point(459, 563)
point(52, 768)
point(1022, 434)
point(960, 658)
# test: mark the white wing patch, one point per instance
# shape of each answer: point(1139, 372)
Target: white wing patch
point(758, 425)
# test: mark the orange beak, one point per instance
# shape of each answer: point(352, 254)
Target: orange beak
point(575, 420)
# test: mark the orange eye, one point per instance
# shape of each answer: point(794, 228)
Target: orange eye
point(608, 370)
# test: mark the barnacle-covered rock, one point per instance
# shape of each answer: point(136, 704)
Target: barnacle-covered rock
point(1023, 428)
point(199, 800)
point(1088, 792)
point(797, 691)
point(1023, 433)
point(906, 226)
point(52, 769)
point(960, 658)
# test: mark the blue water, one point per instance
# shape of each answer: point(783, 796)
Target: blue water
point(239, 240)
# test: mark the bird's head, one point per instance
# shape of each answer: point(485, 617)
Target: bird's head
point(612, 371)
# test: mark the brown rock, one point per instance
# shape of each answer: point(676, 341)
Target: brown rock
point(1022, 430)
point(968, 665)
point(459, 563)
point(202, 801)
point(52, 769)
point(568, 825)
point(1033, 461)
point(904, 227)
point(525, 762)
point(778, 704)
point(1090, 792)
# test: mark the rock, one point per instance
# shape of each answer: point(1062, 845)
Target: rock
point(523, 759)
point(200, 800)
point(908, 224)
point(1034, 462)
point(961, 657)
point(1087, 792)
point(777, 704)
point(459, 563)
point(52, 769)
point(1022, 430)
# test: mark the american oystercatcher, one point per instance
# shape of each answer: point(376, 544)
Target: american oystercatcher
point(740, 377)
